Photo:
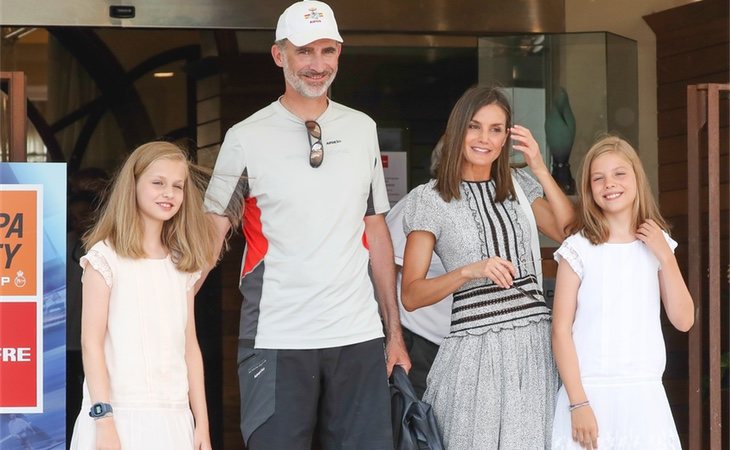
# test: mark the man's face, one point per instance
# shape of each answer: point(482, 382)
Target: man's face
point(309, 69)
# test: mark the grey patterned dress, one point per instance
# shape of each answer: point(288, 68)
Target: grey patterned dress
point(493, 383)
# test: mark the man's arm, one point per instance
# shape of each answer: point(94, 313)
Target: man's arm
point(383, 271)
point(222, 225)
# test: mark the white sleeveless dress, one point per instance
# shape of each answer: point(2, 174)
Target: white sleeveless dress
point(620, 346)
point(145, 353)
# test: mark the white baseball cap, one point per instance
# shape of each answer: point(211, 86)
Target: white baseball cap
point(307, 21)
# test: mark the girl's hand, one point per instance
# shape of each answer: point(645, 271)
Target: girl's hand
point(106, 434)
point(499, 270)
point(651, 234)
point(523, 141)
point(202, 439)
point(585, 427)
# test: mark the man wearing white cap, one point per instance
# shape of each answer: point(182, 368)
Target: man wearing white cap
point(311, 351)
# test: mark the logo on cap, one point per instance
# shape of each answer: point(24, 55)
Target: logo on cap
point(313, 15)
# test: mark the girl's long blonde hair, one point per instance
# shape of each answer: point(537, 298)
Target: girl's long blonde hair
point(590, 221)
point(189, 235)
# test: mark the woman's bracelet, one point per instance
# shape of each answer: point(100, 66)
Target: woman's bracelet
point(578, 405)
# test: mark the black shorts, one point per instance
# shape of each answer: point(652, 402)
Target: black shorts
point(337, 396)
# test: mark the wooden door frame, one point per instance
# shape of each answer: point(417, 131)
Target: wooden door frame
point(18, 114)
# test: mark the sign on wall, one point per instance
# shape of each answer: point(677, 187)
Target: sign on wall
point(395, 170)
point(32, 305)
point(21, 298)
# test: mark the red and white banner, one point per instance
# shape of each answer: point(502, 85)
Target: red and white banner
point(21, 298)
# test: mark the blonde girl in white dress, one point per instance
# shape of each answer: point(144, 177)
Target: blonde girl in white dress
point(613, 275)
point(144, 370)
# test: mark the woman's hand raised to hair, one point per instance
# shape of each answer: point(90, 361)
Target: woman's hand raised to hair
point(524, 142)
point(497, 269)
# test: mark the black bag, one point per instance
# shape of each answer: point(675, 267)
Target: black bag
point(414, 425)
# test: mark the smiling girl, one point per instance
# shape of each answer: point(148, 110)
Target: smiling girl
point(144, 371)
point(613, 275)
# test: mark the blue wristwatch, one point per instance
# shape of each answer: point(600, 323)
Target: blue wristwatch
point(99, 410)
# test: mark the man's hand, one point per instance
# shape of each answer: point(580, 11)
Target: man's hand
point(383, 274)
point(396, 354)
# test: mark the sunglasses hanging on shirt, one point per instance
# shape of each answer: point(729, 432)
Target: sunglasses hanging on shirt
point(316, 150)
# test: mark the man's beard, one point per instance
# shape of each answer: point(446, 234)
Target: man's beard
point(302, 87)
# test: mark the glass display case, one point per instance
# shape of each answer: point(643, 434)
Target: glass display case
point(568, 88)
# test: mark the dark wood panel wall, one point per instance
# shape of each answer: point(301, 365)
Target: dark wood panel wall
point(692, 48)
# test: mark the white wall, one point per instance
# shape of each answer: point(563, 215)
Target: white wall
point(624, 17)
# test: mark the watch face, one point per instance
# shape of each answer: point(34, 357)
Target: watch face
point(100, 409)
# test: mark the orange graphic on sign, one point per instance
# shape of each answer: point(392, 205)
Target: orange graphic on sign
point(18, 242)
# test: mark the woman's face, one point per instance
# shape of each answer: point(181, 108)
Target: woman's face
point(486, 135)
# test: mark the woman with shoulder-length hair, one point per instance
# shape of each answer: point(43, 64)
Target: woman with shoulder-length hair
point(493, 383)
